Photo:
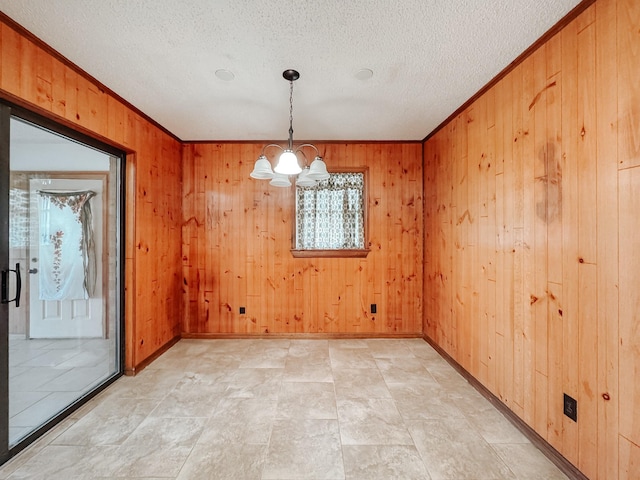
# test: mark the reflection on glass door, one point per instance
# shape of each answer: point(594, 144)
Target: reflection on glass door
point(65, 229)
point(64, 338)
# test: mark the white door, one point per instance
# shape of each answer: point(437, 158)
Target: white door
point(65, 318)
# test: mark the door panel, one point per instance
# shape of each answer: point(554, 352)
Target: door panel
point(74, 317)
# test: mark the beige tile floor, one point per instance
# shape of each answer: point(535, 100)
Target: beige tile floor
point(288, 409)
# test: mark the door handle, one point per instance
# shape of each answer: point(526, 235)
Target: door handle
point(5, 286)
point(33, 270)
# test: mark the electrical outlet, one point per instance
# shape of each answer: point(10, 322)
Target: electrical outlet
point(243, 310)
point(374, 308)
point(571, 407)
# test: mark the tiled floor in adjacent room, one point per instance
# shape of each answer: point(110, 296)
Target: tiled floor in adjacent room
point(46, 375)
point(288, 409)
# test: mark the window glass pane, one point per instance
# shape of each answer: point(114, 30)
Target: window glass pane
point(330, 215)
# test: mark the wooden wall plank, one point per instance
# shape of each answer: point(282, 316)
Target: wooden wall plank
point(587, 248)
point(506, 287)
point(473, 320)
point(538, 294)
point(488, 254)
point(519, 245)
point(569, 93)
point(528, 161)
point(446, 318)
point(629, 319)
point(554, 245)
point(607, 244)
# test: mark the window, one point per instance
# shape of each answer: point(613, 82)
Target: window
point(330, 217)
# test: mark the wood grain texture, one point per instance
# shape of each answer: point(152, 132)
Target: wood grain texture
point(563, 126)
point(42, 82)
point(237, 238)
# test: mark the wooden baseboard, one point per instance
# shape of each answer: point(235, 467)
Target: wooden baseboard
point(299, 336)
point(142, 365)
point(568, 468)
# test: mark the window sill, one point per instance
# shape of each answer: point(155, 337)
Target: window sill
point(360, 253)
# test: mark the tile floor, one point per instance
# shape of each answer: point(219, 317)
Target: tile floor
point(288, 409)
point(46, 375)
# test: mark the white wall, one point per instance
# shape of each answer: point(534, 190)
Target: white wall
point(32, 148)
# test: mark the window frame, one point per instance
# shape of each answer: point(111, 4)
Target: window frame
point(337, 252)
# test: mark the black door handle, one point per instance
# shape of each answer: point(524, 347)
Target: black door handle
point(18, 285)
point(5, 286)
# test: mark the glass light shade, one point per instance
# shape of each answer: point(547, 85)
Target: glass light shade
point(262, 169)
point(318, 170)
point(280, 180)
point(304, 180)
point(288, 164)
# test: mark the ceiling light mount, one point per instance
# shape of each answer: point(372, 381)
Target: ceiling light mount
point(289, 160)
point(291, 75)
point(364, 74)
point(226, 75)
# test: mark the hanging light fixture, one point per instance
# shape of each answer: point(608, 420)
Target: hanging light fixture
point(289, 160)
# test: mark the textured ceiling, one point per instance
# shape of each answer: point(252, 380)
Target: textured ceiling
point(427, 56)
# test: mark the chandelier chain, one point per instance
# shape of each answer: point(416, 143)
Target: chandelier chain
point(290, 109)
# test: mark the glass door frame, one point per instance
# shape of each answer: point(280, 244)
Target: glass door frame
point(8, 110)
point(5, 115)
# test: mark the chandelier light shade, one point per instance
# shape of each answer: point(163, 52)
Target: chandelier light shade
point(292, 160)
point(304, 180)
point(262, 169)
point(280, 180)
point(318, 170)
point(288, 164)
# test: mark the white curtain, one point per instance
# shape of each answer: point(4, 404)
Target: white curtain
point(67, 266)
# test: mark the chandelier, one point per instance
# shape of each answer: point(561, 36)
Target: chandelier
point(289, 160)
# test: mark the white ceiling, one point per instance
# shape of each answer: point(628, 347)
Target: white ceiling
point(428, 57)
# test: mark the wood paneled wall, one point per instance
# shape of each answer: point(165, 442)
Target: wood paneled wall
point(237, 238)
point(532, 208)
point(34, 77)
point(532, 257)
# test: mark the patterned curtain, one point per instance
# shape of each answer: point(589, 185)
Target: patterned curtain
point(329, 216)
point(67, 250)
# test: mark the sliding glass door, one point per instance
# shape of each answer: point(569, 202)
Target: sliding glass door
point(60, 256)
